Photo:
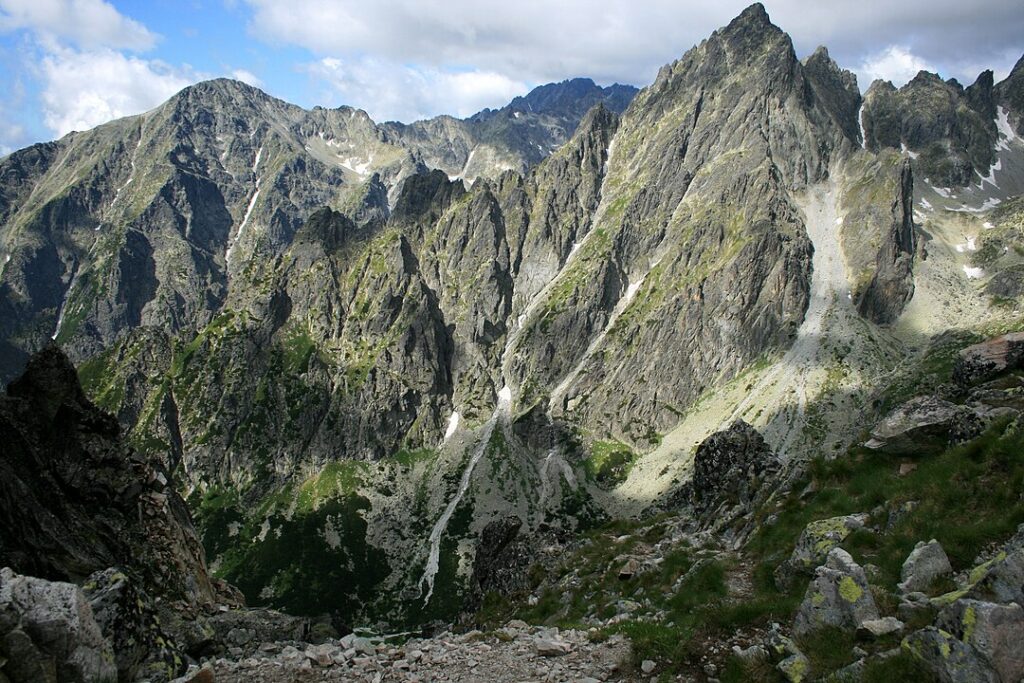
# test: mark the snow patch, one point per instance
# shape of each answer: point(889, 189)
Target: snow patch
point(990, 203)
point(906, 150)
point(969, 245)
point(245, 221)
point(256, 161)
point(453, 424)
point(973, 273)
point(925, 204)
point(1006, 133)
point(860, 124)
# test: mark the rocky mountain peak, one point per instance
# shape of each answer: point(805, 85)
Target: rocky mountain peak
point(836, 88)
point(752, 33)
point(981, 94)
point(49, 383)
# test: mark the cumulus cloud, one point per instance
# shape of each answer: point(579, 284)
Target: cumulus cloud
point(611, 40)
point(247, 77)
point(85, 23)
point(85, 89)
point(390, 91)
point(896, 63)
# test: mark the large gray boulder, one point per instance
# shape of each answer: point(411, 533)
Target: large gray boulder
point(926, 564)
point(952, 660)
point(923, 424)
point(819, 538)
point(48, 633)
point(996, 632)
point(1001, 579)
point(839, 597)
point(981, 362)
point(128, 618)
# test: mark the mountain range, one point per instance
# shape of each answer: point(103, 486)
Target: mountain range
point(377, 358)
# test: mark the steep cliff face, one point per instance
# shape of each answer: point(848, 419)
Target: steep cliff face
point(695, 238)
point(892, 283)
point(951, 130)
point(75, 500)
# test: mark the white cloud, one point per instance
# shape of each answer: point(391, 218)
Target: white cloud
point(12, 136)
point(537, 41)
point(247, 77)
point(390, 91)
point(86, 23)
point(895, 63)
point(85, 89)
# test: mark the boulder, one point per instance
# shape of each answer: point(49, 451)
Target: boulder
point(819, 538)
point(127, 618)
point(981, 362)
point(838, 596)
point(952, 660)
point(872, 629)
point(995, 631)
point(926, 564)
point(796, 668)
point(922, 425)
point(551, 646)
point(1000, 580)
point(48, 633)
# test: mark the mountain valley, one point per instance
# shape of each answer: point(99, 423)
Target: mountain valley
point(700, 381)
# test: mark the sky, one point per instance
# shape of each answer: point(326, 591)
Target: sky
point(73, 64)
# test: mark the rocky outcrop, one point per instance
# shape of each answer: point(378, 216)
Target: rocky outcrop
point(952, 660)
point(503, 558)
point(992, 630)
point(980, 362)
point(892, 284)
point(48, 633)
point(1011, 94)
point(924, 424)
point(76, 500)
point(729, 464)
point(952, 130)
point(838, 597)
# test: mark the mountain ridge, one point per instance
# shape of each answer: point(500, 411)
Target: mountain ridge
point(330, 334)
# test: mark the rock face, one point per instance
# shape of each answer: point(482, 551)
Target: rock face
point(48, 633)
point(76, 500)
point(839, 597)
point(952, 129)
point(892, 284)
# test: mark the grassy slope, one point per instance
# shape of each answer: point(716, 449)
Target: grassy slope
point(967, 497)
